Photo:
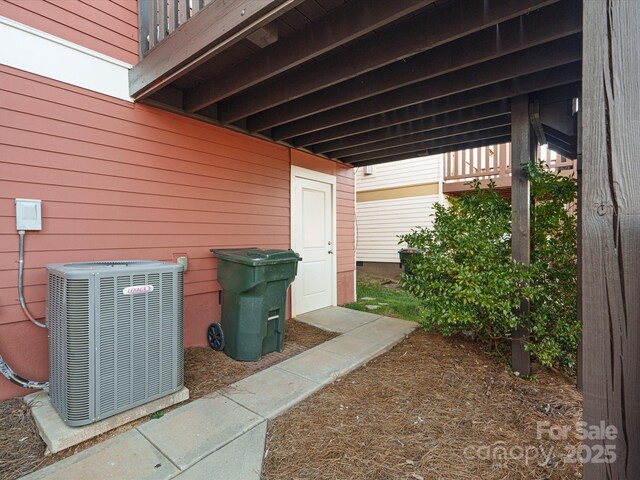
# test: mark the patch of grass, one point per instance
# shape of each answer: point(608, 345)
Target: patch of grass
point(400, 304)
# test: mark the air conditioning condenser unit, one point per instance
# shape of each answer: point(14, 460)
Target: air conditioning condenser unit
point(115, 336)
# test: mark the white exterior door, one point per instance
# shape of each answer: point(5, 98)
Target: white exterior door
point(313, 238)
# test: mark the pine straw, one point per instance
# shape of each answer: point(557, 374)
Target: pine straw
point(22, 451)
point(411, 413)
point(305, 335)
point(207, 371)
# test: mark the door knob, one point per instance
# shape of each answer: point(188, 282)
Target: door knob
point(330, 251)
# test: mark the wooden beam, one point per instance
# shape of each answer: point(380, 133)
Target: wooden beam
point(446, 23)
point(338, 27)
point(559, 116)
point(534, 118)
point(610, 210)
point(522, 151)
point(435, 151)
point(425, 147)
point(448, 131)
point(517, 64)
point(529, 83)
point(561, 148)
point(216, 27)
point(545, 25)
point(561, 137)
point(480, 112)
point(557, 94)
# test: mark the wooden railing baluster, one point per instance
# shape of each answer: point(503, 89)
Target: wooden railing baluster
point(183, 11)
point(162, 23)
point(143, 31)
point(196, 5)
point(158, 19)
point(173, 15)
point(494, 162)
point(153, 23)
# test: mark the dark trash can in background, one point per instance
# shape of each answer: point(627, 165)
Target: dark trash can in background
point(406, 258)
point(254, 295)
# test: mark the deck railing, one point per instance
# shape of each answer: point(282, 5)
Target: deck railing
point(157, 19)
point(494, 163)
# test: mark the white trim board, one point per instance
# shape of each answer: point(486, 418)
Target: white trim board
point(40, 53)
point(300, 172)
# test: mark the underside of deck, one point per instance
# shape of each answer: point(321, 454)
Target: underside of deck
point(362, 81)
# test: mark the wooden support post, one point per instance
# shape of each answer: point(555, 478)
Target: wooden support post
point(578, 169)
point(610, 246)
point(522, 139)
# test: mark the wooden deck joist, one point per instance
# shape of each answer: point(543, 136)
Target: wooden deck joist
point(415, 138)
point(409, 37)
point(465, 115)
point(424, 148)
point(438, 150)
point(512, 36)
point(566, 74)
point(338, 27)
point(514, 65)
point(360, 81)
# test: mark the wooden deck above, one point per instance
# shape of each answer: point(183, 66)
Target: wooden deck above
point(365, 81)
point(493, 164)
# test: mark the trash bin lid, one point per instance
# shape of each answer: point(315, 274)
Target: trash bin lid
point(410, 250)
point(256, 256)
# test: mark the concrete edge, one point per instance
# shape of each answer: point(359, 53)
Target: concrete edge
point(58, 436)
point(332, 330)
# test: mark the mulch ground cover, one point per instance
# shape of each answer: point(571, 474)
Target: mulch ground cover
point(432, 408)
point(22, 451)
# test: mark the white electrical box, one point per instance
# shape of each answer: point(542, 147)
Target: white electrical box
point(28, 214)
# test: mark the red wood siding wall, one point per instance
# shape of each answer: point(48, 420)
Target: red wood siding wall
point(106, 26)
point(122, 181)
point(345, 222)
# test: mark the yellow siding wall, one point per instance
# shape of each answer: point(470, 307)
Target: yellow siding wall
point(397, 197)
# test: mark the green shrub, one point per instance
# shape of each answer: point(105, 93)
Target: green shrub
point(467, 282)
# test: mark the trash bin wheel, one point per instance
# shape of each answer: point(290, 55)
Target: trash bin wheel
point(215, 336)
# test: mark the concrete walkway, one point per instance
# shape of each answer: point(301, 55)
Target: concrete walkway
point(223, 435)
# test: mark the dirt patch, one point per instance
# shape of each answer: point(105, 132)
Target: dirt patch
point(22, 450)
point(427, 410)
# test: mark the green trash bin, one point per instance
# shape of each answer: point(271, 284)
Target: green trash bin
point(254, 295)
point(406, 255)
